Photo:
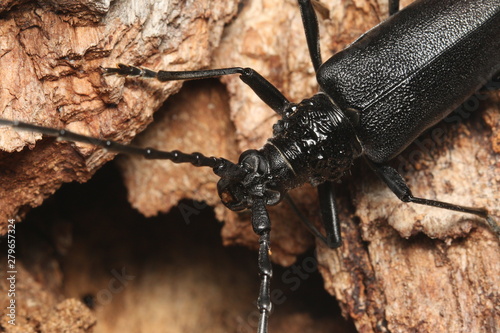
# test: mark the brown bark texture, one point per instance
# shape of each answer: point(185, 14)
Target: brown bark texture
point(402, 268)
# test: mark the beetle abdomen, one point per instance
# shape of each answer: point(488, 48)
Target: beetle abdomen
point(409, 72)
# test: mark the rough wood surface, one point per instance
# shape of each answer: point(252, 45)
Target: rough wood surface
point(50, 58)
point(445, 277)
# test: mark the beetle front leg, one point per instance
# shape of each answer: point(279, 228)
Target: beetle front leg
point(398, 186)
point(268, 93)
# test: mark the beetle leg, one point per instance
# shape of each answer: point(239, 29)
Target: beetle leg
point(329, 216)
point(399, 187)
point(312, 228)
point(310, 22)
point(393, 7)
point(268, 93)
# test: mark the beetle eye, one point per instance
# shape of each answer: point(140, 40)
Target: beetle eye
point(254, 162)
point(232, 194)
point(272, 197)
point(227, 198)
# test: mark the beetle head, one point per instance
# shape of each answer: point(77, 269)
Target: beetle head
point(250, 179)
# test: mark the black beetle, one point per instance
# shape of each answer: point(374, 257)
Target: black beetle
point(375, 98)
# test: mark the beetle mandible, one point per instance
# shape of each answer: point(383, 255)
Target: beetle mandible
point(376, 96)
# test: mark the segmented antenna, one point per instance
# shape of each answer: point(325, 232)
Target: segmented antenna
point(262, 226)
point(196, 159)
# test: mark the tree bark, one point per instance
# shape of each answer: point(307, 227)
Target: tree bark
point(402, 268)
point(51, 59)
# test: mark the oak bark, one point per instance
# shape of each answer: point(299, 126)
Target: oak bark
point(402, 268)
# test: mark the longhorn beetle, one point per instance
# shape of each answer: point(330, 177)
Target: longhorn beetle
point(376, 96)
